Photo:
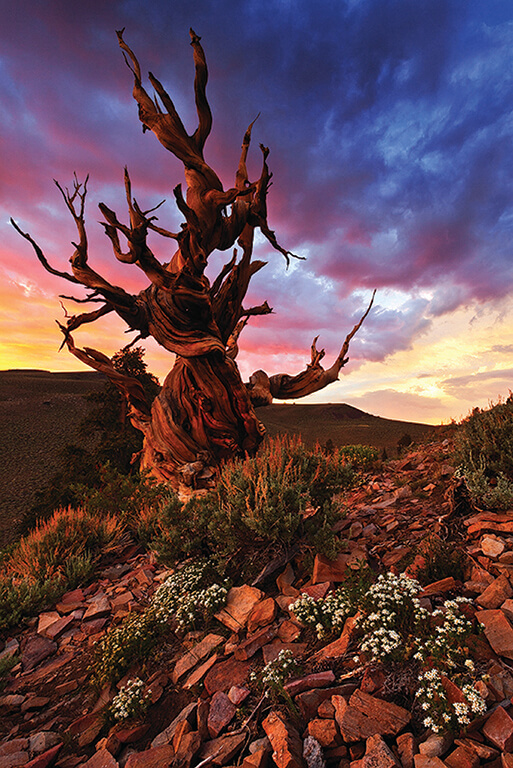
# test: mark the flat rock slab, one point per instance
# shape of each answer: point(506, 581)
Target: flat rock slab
point(158, 757)
point(285, 741)
point(498, 631)
point(240, 603)
point(224, 674)
point(36, 650)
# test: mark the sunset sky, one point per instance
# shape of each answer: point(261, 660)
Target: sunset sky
point(390, 125)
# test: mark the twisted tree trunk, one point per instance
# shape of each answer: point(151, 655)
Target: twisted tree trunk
point(204, 414)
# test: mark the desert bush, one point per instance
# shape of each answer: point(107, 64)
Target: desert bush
point(277, 498)
point(441, 560)
point(359, 456)
point(23, 597)
point(484, 451)
point(67, 535)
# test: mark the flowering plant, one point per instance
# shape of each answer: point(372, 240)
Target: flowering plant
point(130, 702)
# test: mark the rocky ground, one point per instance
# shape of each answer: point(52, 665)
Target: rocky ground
point(204, 710)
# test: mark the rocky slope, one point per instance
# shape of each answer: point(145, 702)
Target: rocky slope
point(204, 709)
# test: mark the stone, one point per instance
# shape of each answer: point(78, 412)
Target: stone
point(98, 608)
point(495, 593)
point(285, 741)
point(253, 643)
point(221, 750)
point(325, 732)
point(462, 758)
point(195, 655)
point(507, 609)
point(42, 741)
point(221, 713)
point(491, 546)
point(317, 591)
point(423, 761)
point(86, 728)
point(187, 713)
point(329, 570)
point(128, 734)
point(45, 758)
point(155, 757)
point(238, 693)
point(309, 701)
point(483, 751)
point(33, 703)
point(366, 716)
point(257, 759)
point(263, 613)
point(270, 652)
point(439, 587)
point(313, 753)
point(200, 672)
point(239, 605)
point(46, 620)
point(224, 674)
point(498, 631)
point(315, 680)
point(36, 650)
point(285, 581)
point(101, 759)
point(14, 759)
point(406, 746)
point(13, 746)
point(435, 745)
point(498, 729)
point(288, 631)
point(378, 754)
point(186, 743)
point(12, 700)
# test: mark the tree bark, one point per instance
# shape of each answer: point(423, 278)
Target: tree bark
point(204, 414)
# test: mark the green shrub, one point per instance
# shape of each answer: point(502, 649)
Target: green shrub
point(359, 456)
point(279, 497)
point(21, 598)
point(484, 451)
point(441, 560)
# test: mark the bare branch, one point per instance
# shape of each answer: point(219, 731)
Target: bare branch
point(42, 258)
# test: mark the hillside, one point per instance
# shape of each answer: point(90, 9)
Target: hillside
point(40, 413)
point(340, 708)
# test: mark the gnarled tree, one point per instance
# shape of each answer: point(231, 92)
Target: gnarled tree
point(204, 413)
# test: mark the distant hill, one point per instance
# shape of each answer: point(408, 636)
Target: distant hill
point(40, 413)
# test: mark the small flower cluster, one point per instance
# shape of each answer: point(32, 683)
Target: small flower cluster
point(130, 702)
point(184, 597)
point(275, 672)
point(392, 612)
point(326, 615)
point(451, 627)
point(440, 715)
point(117, 649)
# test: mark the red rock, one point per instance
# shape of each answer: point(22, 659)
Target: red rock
point(498, 729)
point(285, 741)
point(157, 757)
point(13, 746)
point(187, 713)
point(14, 759)
point(256, 760)
point(253, 643)
point(439, 587)
point(309, 701)
point(45, 759)
point(491, 546)
point(101, 759)
point(32, 703)
point(195, 655)
point(334, 650)
point(462, 758)
point(46, 620)
point(373, 679)
point(224, 674)
point(507, 760)
point(86, 728)
point(285, 581)
point(317, 591)
point(453, 693)
point(200, 672)
point(238, 693)
point(288, 631)
point(366, 716)
point(36, 650)
point(423, 761)
point(221, 750)
point(128, 734)
point(98, 607)
point(483, 751)
point(315, 680)
point(378, 754)
point(326, 710)
point(186, 743)
point(329, 570)
point(406, 747)
point(270, 652)
point(496, 593)
point(239, 604)
point(498, 631)
point(221, 712)
point(263, 613)
point(55, 630)
point(325, 732)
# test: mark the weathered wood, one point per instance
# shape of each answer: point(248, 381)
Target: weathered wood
point(204, 414)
